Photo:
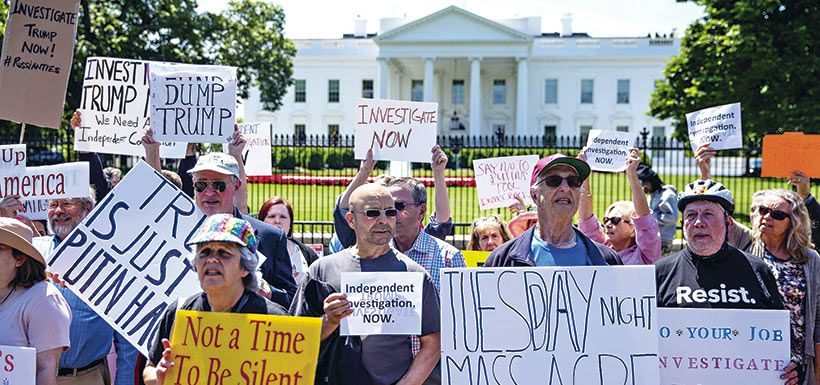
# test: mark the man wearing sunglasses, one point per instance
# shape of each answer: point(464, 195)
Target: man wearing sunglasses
point(375, 359)
point(555, 188)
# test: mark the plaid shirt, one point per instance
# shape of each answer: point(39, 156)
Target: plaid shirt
point(434, 254)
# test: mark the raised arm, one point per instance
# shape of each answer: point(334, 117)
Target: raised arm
point(703, 158)
point(442, 197)
point(235, 148)
point(151, 150)
point(365, 169)
point(633, 159)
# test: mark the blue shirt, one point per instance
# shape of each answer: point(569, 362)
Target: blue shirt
point(545, 254)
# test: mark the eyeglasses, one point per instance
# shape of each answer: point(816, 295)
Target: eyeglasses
point(403, 205)
point(776, 214)
point(615, 221)
point(555, 180)
point(66, 205)
point(375, 213)
point(202, 185)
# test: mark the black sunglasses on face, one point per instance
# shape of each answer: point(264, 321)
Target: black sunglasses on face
point(776, 214)
point(615, 221)
point(202, 185)
point(573, 181)
point(375, 213)
point(403, 205)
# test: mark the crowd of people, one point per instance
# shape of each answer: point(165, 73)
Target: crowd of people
point(380, 227)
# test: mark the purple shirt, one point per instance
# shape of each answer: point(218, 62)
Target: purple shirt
point(647, 247)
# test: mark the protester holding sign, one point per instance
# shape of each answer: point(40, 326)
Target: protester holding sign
point(279, 213)
point(376, 359)
point(663, 201)
point(628, 227)
point(555, 187)
point(33, 313)
point(225, 262)
point(487, 233)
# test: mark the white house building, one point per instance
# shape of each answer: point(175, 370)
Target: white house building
point(494, 76)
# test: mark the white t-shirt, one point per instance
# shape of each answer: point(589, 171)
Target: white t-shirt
point(37, 317)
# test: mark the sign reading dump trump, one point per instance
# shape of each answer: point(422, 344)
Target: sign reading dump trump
point(114, 109)
point(192, 103)
point(719, 126)
point(549, 325)
point(228, 348)
point(723, 346)
point(17, 365)
point(395, 129)
point(499, 180)
point(383, 303)
point(128, 260)
point(37, 50)
point(607, 150)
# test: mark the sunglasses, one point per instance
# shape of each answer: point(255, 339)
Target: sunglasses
point(202, 185)
point(375, 213)
point(403, 205)
point(776, 214)
point(615, 221)
point(555, 180)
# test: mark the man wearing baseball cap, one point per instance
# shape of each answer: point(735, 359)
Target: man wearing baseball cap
point(555, 188)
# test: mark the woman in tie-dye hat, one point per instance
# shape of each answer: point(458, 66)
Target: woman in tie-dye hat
point(225, 261)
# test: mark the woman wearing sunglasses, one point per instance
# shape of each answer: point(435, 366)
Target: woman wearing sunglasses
point(628, 227)
point(279, 213)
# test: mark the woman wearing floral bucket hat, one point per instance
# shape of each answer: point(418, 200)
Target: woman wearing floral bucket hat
point(33, 313)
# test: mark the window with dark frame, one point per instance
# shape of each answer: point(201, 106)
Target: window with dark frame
point(417, 90)
point(587, 86)
point(300, 91)
point(333, 91)
point(367, 89)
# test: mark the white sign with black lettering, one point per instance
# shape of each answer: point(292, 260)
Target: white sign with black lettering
point(35, 209)
point(719, 126)
point(383, 303)
point(257, 153)
point(128, 260)
point(607, 150)
point(17, 365)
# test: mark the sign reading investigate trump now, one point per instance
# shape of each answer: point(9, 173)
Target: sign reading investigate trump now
point(231, 348)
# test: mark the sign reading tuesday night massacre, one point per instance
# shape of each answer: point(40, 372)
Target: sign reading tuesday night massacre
point(192, 103)
point(230, 348)
point(395, 129)
point(256, 155)
point(720, 346)
point(17, 365)
point(383, 303)
point(499, 180)
point(128, 260)
point(65, 180)
point(607, 150)
point(549, 325)
point(37, 50)
point(114, 109)
point(719, 126)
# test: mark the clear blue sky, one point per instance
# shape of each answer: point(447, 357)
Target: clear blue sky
point(599, 18)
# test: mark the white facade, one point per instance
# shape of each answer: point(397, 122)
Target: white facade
point(454, 44)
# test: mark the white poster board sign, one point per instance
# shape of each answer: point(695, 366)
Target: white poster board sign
point(499, 180)
point(723, 346)
point(192, 103)
point(719, 126)
point(549, 325)
point(383, 303)
point(17, 365)
point(607, 150)
point(257, 152)
point(65, 180)
point(35, 209)
point(12, 159)
point(395, 129)
point(128, 260)
point(114, 109)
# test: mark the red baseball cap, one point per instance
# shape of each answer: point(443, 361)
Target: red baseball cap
point(581, 167)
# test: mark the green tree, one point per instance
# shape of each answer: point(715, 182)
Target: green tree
point(762, 53)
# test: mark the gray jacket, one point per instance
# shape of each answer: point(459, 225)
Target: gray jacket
point(664, 205)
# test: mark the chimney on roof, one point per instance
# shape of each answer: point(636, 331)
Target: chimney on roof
point(566, 25)
point(359, 27)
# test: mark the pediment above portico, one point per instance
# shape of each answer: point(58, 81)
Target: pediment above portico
point(452, 25)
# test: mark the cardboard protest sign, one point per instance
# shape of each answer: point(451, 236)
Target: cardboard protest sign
point(12, 159)
point(475, 258)
point(128, 260)
point(395, 129)
point(64, 180)
point(192, 103)
point(549, 325)
point(114, 109)
point(383, 303)
point(37, 52)
point(607, 150)
point(499, 180)
point(720, 346)
point(790, 151)
point(257, 153)
point(719, 126)
point(232, 348)
point(17, 365)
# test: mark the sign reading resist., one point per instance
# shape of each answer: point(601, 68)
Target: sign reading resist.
point(607, 150)
point(723, 346)
point(192, 103)
point(128, 260)
point(17, 365)
point(549, 325)
point(383, 303)
point(719, 126)
point(114, 109)
point(499, 180)
point(37, 50)
point(257, 153)
point(395, 129)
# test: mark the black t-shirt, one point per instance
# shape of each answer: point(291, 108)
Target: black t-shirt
point(730, 279)
point(249, 303)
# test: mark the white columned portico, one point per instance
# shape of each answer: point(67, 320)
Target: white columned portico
point(521, 85)
point(429, 86)
point(384, 78)
point(475, 96)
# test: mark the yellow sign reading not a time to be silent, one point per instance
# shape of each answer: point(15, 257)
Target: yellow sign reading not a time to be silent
point(211, 348)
